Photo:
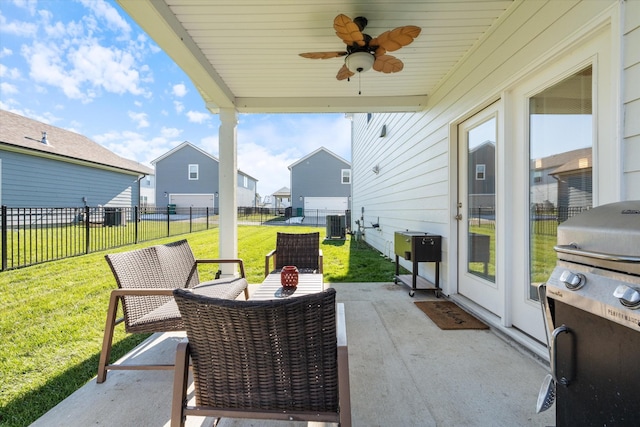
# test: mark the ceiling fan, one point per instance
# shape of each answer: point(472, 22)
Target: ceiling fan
point(364, 52)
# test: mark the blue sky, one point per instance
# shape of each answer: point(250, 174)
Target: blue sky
point(85, 66)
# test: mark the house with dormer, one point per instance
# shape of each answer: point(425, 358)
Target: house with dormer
point(46, 166)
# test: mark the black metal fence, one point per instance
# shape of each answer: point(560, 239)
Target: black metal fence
point(35, 235)
point(545, 221)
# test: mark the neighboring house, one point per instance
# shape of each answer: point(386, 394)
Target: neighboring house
point(562, 180)
point(281, 198)
point(548, 79)
point(46, 166)
point(148, 191)
point(481, 176)
point(320, 181)
point(187, 176)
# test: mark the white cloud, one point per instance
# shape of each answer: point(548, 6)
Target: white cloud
point(139, 118)
point(7, 89)
point(179, 90)
point(18, 28)
point(30, 5)
point(5, 51)
point(108, 14)
point(170, 132)
point(135, 146)
point(179, 106)
point(81, 72)
point(198, 117)
point(47, 67)
point(9, 73)
point(270, 169)
point(210, 145)
point(108, 67)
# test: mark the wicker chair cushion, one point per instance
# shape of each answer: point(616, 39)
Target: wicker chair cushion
point(263, 355)
point(167, 317)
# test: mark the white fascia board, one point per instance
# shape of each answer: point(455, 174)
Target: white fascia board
point(360, 104)
point(157, 20)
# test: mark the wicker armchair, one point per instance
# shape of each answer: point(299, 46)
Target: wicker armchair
point(282, 359)
point(301, 250)
point(146, 279)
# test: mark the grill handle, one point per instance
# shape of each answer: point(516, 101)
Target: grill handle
point(554, 354)
point(573, 249)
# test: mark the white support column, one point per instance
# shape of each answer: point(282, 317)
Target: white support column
point(228, 201)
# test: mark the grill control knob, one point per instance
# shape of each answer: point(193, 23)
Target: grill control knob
point(629, 296)
point(573, 281)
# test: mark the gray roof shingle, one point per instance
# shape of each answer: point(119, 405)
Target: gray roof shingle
point(20, 131)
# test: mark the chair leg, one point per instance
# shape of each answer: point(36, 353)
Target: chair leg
point(344, 392)
point(108, 338)
point(180, 382)
point(343, 387)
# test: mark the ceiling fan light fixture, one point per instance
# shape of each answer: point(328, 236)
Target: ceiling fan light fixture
point(359, 62)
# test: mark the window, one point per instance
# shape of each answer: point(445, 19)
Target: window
point(537, 176)
point(193, 172)
point(561, 176)
point(480, 172)
point(346, 176)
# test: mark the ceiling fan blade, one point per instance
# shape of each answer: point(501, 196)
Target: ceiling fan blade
point(322, 55)
point(387, 64)
point(397, 38)
point(348, 30)
point(344, 73)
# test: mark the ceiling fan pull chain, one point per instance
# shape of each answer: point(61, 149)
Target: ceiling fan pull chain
point(359, 84)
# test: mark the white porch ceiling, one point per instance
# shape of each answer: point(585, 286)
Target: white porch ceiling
point(243, 54)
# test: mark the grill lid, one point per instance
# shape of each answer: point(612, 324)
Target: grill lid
point(606, 236)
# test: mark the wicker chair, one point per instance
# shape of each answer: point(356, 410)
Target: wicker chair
point(282, 359)
point(301, 250)
point(146, 279)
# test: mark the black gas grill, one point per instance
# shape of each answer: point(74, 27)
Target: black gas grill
point(592, 313)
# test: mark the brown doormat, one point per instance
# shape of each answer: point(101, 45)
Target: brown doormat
point(447, 315)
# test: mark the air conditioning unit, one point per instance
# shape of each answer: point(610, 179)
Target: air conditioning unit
point(336, 227)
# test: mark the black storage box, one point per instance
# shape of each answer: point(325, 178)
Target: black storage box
point(418, 246)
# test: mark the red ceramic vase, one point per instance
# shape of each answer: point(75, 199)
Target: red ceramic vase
point(289, 276)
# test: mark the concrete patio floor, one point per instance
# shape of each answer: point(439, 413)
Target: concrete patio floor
point(404, 371)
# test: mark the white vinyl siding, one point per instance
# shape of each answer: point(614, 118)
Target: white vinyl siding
point(413, 189)
point(631, 100)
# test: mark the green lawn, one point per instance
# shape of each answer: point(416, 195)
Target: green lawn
point(53, 314)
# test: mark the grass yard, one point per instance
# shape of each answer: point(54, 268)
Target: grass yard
point(53, 314)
